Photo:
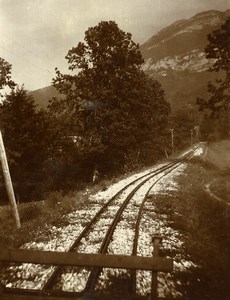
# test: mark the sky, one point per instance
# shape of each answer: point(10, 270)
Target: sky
point(35, 35)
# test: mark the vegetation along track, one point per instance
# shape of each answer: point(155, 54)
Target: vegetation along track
point(119, 203)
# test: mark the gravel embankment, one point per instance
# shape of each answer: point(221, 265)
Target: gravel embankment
point(34, 276)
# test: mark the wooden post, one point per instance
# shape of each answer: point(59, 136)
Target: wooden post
point(8, 182)
point(166, 154)
point(172, 140)
point(191, 137)
point(197, 129)
point(156, 242)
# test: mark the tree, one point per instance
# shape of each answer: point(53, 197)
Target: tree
point(24, 130)
point(5, 75)
point(217, 106)
point(110, 105)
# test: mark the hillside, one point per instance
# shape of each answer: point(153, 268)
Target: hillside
point(183, 38)
point(174, 56)
point(42, 96)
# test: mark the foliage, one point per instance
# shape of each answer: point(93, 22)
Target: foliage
point(5, 75)
point(111, 108)
point(218, 48)
point(24, 132)
point(217, 107)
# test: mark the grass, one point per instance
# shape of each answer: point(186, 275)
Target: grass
point(221, 188)
point(36, 216)
point(205, 223)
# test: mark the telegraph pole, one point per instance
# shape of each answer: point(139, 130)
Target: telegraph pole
point(197, 128)
point(8, 182)
point(172, 139)
point(191, 130)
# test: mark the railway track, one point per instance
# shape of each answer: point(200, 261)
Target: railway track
point(113, 210)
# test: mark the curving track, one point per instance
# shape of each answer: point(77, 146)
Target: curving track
point(129, 201)
point(124, 198)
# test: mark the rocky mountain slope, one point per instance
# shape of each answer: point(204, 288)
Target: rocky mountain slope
point(175, 56)
point(180, 46)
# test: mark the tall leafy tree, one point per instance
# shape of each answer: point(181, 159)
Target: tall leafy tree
point(5, 75)
point(217, 106)
point(24, 130)
point(110, 105)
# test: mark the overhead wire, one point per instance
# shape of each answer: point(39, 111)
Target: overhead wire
point(28, 50)
point(24, 59)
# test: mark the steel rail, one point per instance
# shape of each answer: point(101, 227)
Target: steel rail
point(95, 273)
point(50, 283)
point(137, 226)
point(58, 270)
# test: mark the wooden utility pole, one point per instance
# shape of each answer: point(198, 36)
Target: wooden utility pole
point(8, 182)
point(172, 139)
point(191, 140)
point(197, 129)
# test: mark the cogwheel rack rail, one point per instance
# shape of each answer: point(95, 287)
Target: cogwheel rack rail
point(154, 264)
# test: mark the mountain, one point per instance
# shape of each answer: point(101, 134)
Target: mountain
point(42, 96)
point(175, 56)
point(181, 46)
